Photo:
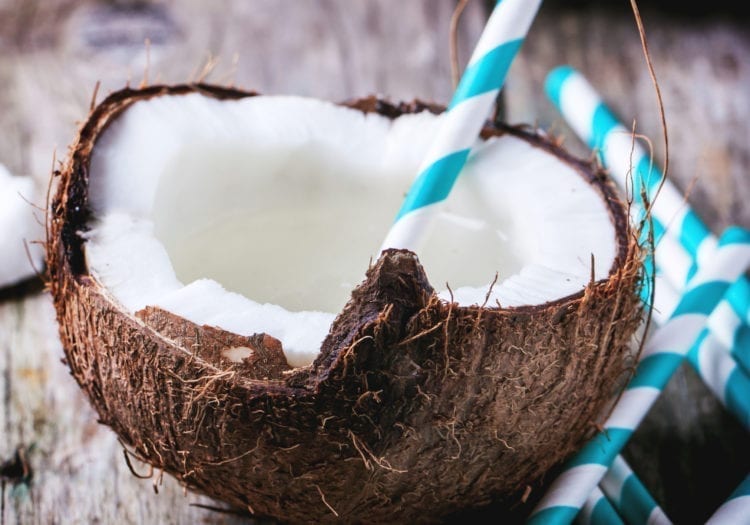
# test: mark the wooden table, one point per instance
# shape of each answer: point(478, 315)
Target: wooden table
point(52, 52)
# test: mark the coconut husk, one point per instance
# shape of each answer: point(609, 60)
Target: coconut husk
point(415, 408)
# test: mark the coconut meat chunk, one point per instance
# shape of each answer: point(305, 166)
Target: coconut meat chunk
point(260, 215)
point(20, 230)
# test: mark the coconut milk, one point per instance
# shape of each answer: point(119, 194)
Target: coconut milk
point(298, 228)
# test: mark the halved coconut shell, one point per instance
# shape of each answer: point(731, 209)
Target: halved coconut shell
point(415, 408)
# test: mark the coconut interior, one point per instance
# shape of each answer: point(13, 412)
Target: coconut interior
point(20, 229)
point(261, 214)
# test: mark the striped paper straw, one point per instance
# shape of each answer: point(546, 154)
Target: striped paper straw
point(718, 352)
point(586, 113)
point(630, 497)
point(736, 510)
point(663, 354)
point(598, 510)
point(474, 97)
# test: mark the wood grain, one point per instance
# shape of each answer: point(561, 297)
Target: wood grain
point(53, 52)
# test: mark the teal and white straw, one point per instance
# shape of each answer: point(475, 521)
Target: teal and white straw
point(474, 97)
point(664, 353)
point(630, 497)
point(736, 510)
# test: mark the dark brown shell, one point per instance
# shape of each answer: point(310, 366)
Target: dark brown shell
point(415, 408)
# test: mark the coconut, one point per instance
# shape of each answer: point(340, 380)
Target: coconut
point(204, 251)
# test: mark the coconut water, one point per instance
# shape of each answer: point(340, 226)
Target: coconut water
point(298, 227)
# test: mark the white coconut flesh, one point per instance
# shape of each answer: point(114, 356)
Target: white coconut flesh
point(20, 230)
point(262, 214)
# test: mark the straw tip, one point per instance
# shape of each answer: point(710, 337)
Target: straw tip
point(555, 80)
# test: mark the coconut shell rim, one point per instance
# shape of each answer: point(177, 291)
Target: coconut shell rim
point(113, 105)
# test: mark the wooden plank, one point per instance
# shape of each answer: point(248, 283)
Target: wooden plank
point(52, 53)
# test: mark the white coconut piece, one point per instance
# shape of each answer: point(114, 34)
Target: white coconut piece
point(20, 227)
point(262, 214)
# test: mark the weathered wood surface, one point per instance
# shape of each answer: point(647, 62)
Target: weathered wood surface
point(52, 53)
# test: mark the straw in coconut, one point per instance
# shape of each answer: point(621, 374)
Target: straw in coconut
point(474, 97)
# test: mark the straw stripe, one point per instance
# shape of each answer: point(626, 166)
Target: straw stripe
point(675, 332)
point(739, 299)
point(650, 370)
point(552, 515)
point(699, 299)
point(674, 337)
point(671, 258)
point(729, 327)
point(630, 497)
point(638, 505)
point(724, 322)
point(435, 183)
point(718, 353)
point(693, 233)
point(463, 130)
point(598, 511)
point(623, 419)
point(460, 126)
point(563, 503)
point(486, 74)
point(665, 299)
point(598, 451)
point(729, 322)
point(505, 24)
point(736, 510)
point(733, 235)
point(741, 348)
point(722, 375)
